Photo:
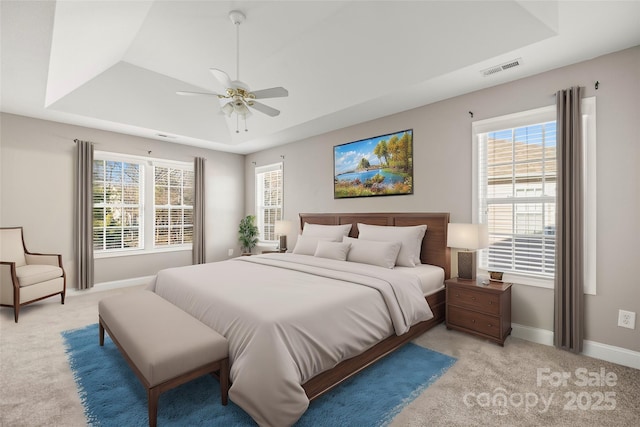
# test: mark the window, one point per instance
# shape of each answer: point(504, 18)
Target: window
point(269, 198)
point(117, 205)
point(173, 206)
point(517, 174)
point(515, 193)
point(141, 205)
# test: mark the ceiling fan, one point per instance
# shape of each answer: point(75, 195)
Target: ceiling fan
point(240, 97)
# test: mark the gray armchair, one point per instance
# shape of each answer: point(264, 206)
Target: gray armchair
point(27, 277)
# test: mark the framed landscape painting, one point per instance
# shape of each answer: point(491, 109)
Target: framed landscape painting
point(377, 166)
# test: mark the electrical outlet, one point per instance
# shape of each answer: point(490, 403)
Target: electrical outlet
point(230, 253)
point(627, 319)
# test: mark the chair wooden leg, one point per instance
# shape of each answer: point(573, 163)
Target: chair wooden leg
point(16, 303)
point(62, 297)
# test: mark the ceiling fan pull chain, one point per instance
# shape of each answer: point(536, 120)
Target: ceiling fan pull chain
point(245, 124)
point(237, 123)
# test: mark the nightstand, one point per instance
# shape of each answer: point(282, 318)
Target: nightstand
point(482, 310)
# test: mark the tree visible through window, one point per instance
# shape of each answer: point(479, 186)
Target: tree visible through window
point(173, 206)
point(117, 205)
point(141, 204)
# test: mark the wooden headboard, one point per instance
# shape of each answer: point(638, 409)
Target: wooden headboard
point(434, 244)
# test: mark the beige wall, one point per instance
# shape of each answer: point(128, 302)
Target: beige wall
point(442, 162)
point(37, 181)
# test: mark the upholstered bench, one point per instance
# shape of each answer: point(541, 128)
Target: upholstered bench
point(164, 345)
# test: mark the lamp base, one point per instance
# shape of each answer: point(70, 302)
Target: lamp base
point(283, 243)
point(467, 265)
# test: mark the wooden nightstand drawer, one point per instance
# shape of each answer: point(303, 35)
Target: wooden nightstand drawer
point(483, 323)
point(479, 309)
point(468, 298)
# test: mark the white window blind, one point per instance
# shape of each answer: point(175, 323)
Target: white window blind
point(141, 205)
point(173, 206)
point(117, 205)
point(269, 199)
point(517, 178)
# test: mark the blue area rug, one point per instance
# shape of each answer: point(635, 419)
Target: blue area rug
point(113, 396)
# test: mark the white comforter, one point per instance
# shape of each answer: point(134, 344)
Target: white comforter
point(289, 317)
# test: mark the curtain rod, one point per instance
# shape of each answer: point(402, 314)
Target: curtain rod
point(596, 86)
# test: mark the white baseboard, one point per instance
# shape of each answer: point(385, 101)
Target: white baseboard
point(106, 286)
point(537, 335)
point(609, 353)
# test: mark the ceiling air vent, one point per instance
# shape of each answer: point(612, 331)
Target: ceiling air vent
point(502, 67)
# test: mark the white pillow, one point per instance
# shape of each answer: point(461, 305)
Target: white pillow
point(335, 232)
point(332, 250)
point(306, 245)
point(411, 238)
point(383, 254)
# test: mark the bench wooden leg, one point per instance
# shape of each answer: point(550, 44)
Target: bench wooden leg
point(153, 394)
point(101, 334)
point(224, 380)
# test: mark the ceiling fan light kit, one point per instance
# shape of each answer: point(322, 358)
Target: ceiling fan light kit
point(238, 93)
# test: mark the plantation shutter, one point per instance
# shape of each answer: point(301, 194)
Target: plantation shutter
point(269, 199)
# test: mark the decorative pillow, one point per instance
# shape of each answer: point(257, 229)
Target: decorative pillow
point(410, 237)
point(335, 232)
point(332, 250)
point(306, 245)
point(383, 254)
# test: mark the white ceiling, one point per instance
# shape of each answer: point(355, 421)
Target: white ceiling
point(116, 65)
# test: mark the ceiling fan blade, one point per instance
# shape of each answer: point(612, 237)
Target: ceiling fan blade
point(183, 92)
point(269, 111)
point(274, 92)
point(222, 77)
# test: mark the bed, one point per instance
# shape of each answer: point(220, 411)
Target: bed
point(298, 325)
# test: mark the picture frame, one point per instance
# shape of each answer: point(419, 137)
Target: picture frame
point(378, 166)
point(495, 276)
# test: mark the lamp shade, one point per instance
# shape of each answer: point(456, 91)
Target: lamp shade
point(467, 236)
point(282, 227)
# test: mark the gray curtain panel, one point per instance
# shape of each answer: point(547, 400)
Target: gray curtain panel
point(569, 294)
point(198, 253)
point(84, 220)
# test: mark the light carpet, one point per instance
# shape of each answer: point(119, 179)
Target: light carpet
point(113, 396)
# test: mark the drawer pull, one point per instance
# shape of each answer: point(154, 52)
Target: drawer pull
point(473, 298)
point(458, 295)
point(473, 320)
point(489, 325)
point(490, 302)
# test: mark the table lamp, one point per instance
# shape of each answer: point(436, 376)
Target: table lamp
point(282, 228)
point(467, 238)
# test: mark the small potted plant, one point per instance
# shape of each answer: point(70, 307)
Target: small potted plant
point(248, 234)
